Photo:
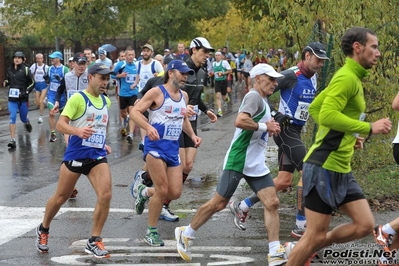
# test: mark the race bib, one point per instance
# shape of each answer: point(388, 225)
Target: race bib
point(13, 93)
point(97, 140)
point(194, 117)
point(172, 130)
point(131, 78)
point(302, 111)
point(70, 93)
point(54, 86)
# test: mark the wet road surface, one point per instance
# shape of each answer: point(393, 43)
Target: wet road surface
point(29, 177)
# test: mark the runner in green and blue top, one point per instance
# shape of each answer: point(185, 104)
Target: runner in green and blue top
point(85, 120)
point(328, 182)
point(245, 159)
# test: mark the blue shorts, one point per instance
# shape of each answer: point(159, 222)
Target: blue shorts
point(171, 160)
point(51, 100)
point(39, 86)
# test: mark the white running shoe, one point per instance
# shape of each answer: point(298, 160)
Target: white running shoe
point(278, 258)
point(183, 243)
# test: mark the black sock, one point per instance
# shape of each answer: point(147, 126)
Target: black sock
point(93, 238)
point(42, 229)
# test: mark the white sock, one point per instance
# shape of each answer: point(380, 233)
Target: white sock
point(243, 206)
point(189, 232)
point(388, 229)
point(144, 192)
point(273, 247)
point(301, 223)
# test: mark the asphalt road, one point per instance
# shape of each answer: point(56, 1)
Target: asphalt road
point(29, 177)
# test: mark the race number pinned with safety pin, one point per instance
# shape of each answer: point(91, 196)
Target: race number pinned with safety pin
point(70, 93)
point(302, 111)
point(97, 140)
point(131, 78)
point(172, 130)
point(13, 93)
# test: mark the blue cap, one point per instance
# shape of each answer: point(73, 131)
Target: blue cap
point(56, 54)
point(180, 66)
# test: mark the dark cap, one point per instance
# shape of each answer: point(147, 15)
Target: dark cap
point(100, 68)
point(149, 46)
point(168, 58)
point(179, 66)
point(317, 49)
point(79, 58)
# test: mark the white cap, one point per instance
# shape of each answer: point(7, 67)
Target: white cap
point(261, 69)
point(201, 42)
point(70, 59)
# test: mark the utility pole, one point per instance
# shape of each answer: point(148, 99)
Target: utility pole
point(57, 45)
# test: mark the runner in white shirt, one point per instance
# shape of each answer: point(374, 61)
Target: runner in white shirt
point(38, 70)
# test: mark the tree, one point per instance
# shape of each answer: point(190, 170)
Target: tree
point(74, 21)
point(176, 19)
point(295, 21)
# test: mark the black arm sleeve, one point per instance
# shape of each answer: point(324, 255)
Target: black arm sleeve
point(202, 106)
point(60, 90)
point(289, 81)
point(151, 83)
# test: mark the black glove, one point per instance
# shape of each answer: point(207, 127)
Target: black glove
point(283, 120)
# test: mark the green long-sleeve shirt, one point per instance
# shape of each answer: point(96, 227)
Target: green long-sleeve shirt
point(338, 111)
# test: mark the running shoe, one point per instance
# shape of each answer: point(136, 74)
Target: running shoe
point(383, 261)
point(74, 193)
point(152, 238)
point(383, 239)
point(28, 127)
point(278, 258)
point(140, 200)
point(12, 144)
point(138, 180)
point(129, 138)
point(167, 215)
point(141, 146)
point(288, 246)
point(219, 114)
point(239, 215)
point(41, 240)
point(297, 232)
point(183, 243)
point(123, 132)
point(53, 137)
point(40, 120)
point(96, 248)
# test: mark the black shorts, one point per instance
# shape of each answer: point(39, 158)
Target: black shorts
point(396, 152)
point(83, 166)
point(246, 74)
point(221, 86)
point(324, 190)
point(184, 140)
point(125, 102)
point(291, 149)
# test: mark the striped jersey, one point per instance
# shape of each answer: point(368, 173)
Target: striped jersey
point(168, 121)
point(246, 153)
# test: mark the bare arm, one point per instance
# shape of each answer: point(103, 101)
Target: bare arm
point(245, 121)
point(64, 127)
point(395, 103)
